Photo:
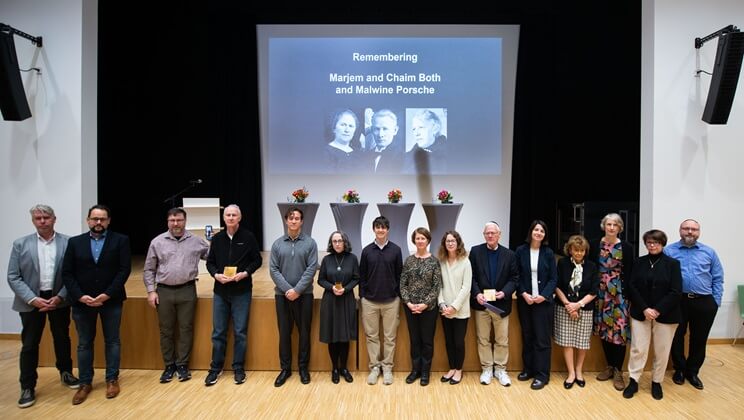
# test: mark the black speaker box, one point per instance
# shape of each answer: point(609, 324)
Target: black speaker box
point(725, 77)
point(13, 103)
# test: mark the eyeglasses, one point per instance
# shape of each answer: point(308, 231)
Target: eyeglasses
point(652, 243)
point(337, 241)
point(450, 241)
point(98, 219)
point(691, 229)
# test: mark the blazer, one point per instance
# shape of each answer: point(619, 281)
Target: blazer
point(589, 280)
point(506, 281)
point(83, 276)
point(629, 257)
point(547, 274)
point(658, 287)
point(23, 271)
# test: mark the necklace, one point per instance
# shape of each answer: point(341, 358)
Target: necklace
point(653, 263)
point(338, 264)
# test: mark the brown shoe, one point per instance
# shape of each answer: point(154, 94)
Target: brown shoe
point(81, 394)
point(112, 389)
point(606, 374)
point(617, 380)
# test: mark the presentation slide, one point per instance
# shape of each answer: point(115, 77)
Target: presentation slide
point(373, 108)
point(385, 105)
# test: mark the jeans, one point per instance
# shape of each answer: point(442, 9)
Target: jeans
point(223, 307)
point(85, 318)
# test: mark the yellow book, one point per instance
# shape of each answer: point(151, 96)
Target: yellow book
point(230, 271)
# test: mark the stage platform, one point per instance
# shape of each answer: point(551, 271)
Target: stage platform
point(140, 348)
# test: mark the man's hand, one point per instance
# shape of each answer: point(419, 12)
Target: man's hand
point(153, 299)
point(292, 295)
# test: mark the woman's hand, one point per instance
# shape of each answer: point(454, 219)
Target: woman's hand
point(527, 298)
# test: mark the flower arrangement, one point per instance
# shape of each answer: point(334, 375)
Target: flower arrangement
point(300, 195)
point(394, 195)
point(351, 196)
point(445, 197)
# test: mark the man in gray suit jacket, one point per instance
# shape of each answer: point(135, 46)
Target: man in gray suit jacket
point(35, 275)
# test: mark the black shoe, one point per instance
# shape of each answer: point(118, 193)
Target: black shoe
point(168, 373)
point(304, 376)
point(454, 381)
point(212, 376)
point(694, 381)
point(580, 382)
point(631, 389)
point(656, 391)
point(411, 378)
point(28, 398)
point(183, 373)
point(239, 375)
point(69, 380)
point(524, 376)
point(424, 379)
point(282, 377)
point(568, 385)
point(334, 376)
point(538, 384)
point(444, 378)
point(678, 377)
point(346, 375)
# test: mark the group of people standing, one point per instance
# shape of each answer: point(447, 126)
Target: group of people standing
point(600, 288)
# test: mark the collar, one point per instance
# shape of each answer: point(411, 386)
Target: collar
point(54, 236)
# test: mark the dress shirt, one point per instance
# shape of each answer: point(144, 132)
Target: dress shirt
point(172, 261)
point(96, 245)
point(47, 251)
point(702, 272)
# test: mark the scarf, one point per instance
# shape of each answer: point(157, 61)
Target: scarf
point(578, 273)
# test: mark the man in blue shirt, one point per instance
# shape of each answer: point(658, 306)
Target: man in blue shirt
point(702, 288)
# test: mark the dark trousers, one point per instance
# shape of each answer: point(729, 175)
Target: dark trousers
point(421, 328)
point(176, 313)
point(697, 313)
point(33, 326)
point(339, 353)
point(615, 354)
point(454, 340)
point(289, 313)
point(86, 318)
point(536, 321)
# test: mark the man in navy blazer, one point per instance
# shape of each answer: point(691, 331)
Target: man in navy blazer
point(35, 276)
point(96, 266)
point(495, 276)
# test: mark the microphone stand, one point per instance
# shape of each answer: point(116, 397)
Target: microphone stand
point(172, 199)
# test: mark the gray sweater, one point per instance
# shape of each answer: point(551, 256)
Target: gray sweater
point(293, 264)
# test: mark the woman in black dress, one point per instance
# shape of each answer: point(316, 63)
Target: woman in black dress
point(338, 276)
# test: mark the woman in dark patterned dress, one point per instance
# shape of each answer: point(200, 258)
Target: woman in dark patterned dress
point(420, 283)
point(614, 259)
point(338, 276)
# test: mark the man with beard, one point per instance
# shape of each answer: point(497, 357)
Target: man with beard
point(702, 288)
point(96, 266)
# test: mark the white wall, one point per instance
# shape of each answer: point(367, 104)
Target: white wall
point(690, 169)
point(51, 157)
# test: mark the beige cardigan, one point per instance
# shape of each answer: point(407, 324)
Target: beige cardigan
point(456, 283)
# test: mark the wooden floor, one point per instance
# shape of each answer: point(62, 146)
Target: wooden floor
point(143, 397)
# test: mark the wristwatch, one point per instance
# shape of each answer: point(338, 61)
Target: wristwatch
point(581, 304)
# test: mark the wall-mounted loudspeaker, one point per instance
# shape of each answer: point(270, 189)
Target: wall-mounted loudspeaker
point(13, 103)
point(725, 77)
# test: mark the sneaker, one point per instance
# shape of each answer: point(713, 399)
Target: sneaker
point(387, 376)
point(212, 377)
point(503, 377)
point(239, 376)
point(486, 376)
point(183, 373)
point(373, 375)
point(28, 398)
point(69, 380)
point(168, 373)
